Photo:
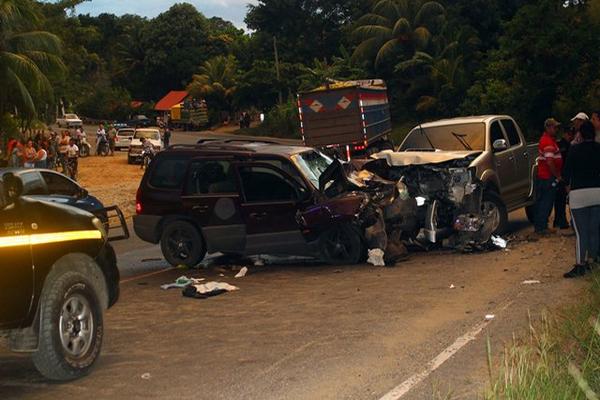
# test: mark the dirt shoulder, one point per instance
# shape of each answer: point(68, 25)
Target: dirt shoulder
point(111, 180)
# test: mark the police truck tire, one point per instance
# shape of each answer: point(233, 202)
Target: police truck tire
point(71, 324)
point(182, 244)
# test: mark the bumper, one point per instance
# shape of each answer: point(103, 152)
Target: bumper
point(146, 227)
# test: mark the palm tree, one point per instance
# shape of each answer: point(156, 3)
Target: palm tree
point(27, 56)
point(217, 81)
point(397, 27)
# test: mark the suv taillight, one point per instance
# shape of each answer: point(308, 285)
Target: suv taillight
point(138, 202)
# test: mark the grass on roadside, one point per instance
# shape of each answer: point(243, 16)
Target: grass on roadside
point(560, 358)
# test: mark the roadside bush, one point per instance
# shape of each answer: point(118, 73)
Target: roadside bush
point(560, 359)
point(283, 121)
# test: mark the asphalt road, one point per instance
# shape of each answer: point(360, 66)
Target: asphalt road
point(309, 331)
point(298, 330)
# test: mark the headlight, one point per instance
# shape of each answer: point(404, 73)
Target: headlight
point(100, 226)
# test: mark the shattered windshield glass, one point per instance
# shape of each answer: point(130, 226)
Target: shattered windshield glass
point(456, 137)
point(312, 164)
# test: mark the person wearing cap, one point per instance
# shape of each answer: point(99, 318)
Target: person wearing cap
point(548, 175)
point(582, 175)
point(577, 120)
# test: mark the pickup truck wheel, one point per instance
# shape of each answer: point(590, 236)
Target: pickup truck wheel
point(181, 243)
point(71, 329)
point(341, 245)
point(493, 207)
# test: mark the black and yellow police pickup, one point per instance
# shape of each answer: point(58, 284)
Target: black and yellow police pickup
point(58, 273)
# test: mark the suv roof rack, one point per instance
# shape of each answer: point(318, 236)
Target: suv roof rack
point(211, 146)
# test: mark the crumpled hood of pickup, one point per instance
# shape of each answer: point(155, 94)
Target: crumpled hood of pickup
point(399, 159)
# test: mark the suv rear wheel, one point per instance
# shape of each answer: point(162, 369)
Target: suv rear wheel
point(71, 329)
point(181, 243)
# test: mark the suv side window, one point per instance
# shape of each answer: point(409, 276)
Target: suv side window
point(511, 131)
point(168, 173)
point(496, 131)
point(59, 185)
point(33, 183)
point(266, 185)
point(210, 177)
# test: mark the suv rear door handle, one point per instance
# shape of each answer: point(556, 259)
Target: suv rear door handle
point(258, 215)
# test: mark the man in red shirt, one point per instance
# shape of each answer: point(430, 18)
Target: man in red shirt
point(550, 164)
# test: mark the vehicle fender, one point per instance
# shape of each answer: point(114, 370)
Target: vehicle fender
point(26, 338)
point(490, 180)
point(170, 218)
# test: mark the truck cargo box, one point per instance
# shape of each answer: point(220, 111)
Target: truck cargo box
point(346, 113)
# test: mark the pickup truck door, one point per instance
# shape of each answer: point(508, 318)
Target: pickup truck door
point(505, 165)
point(16, 268)
point(523, 163)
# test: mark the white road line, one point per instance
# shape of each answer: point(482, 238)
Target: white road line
point(136, 277)
point(399, 391)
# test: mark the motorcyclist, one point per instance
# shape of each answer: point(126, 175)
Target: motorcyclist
point(100, 138)
point(147, 149)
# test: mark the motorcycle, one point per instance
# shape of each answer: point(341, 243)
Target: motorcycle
point(147, 157)
point(103, 148)
point(84, 147)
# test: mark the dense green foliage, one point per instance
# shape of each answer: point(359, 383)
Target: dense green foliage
point(439, 58)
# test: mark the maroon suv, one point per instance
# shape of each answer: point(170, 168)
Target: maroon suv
point(245, 198)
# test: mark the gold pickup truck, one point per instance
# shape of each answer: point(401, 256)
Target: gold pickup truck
point(491, 145)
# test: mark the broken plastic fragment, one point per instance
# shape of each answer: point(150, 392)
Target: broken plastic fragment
point(146, 376)
point(530, 282)
point(499, 242)
point(452, 286)
point(242, 273)
point(420, 201)
point(376, 257)
point(489, 317)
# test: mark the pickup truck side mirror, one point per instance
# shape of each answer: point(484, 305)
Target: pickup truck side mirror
point(500, 145)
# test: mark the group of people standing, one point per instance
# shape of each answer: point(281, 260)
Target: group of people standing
point(569, 173)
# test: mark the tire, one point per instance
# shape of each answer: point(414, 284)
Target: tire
point(342, 245)
point(182, 243)
point(530, 212)
point(71, 326)
point(129, 160)
point(491, 201)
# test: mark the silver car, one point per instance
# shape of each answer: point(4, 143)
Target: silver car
point(123, 139)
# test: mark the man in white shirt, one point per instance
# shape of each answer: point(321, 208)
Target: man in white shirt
point(100, 137)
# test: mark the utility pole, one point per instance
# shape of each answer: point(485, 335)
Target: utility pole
point(277, 69)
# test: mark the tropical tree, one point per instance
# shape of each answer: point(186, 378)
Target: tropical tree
point(397, 27)
point(216, 82)
point(27, 55)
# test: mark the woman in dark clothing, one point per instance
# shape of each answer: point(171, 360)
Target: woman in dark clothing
point(582, 175)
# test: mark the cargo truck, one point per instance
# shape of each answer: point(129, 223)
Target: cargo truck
point(348, 118)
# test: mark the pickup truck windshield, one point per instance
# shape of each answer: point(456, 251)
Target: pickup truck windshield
point(70, 116)
point(312, 164)
point(458, 137)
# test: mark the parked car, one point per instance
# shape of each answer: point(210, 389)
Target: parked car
point(54, 187)
point(69, 121)
point(250, 198)
point(123, 138)
point(58, 275)
point(140, 121)
point(135, 147)
point(493, 146)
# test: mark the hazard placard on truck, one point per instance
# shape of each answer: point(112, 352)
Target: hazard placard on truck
point(351, 116)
